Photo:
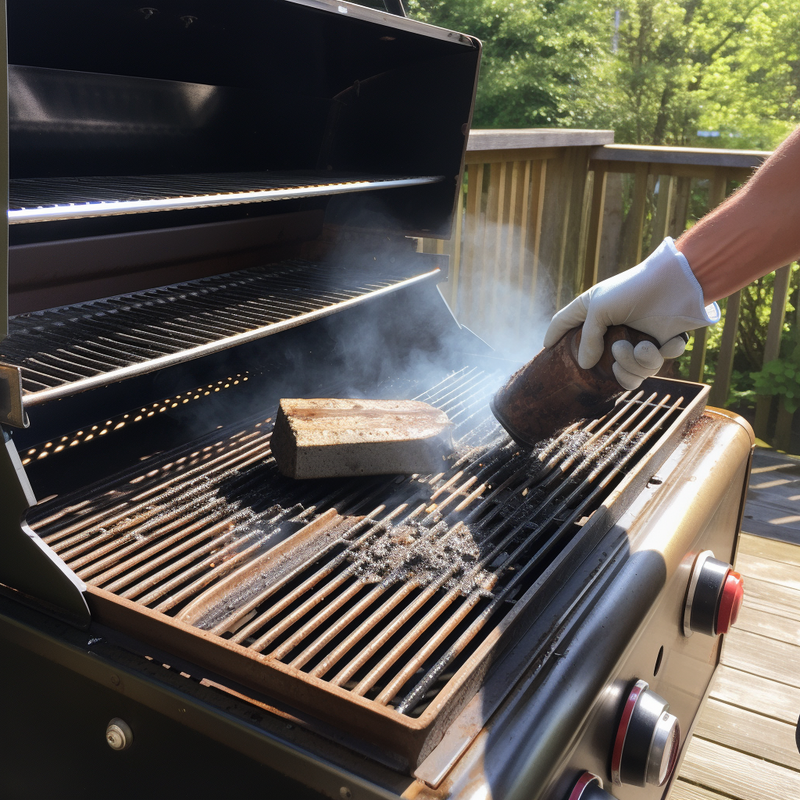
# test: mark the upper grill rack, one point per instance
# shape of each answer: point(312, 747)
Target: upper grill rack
point(390, 590)
point(63, 351)
point(51, 199)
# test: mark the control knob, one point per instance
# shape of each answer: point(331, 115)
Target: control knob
point(648, 740)
point(589, 787)
point(714, 597)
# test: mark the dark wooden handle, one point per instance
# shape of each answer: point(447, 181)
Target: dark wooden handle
point(614, 334)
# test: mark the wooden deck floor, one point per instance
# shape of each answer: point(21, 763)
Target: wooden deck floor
point(744, 743)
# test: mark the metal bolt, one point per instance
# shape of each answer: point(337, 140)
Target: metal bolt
point(119, 734)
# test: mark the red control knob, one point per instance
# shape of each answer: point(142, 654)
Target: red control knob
point(730, 602)
point(714, 596)
point(589, 787)
point(648, 740)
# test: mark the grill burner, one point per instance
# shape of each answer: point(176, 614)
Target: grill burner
point(314, 591)
point(50, 199)
point(63, 351)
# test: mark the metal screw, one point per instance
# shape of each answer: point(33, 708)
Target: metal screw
point(119, 734)
point(345, 793)
point(188, 20)
point(115, 680)
point(148, 12)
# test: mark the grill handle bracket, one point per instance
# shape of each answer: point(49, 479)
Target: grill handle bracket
point(27, 564)
point(12, 411)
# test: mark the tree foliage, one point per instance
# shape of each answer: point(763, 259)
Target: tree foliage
point(656, 71)
point(536, 55)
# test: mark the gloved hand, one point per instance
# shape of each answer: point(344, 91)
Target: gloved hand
point(660, 297)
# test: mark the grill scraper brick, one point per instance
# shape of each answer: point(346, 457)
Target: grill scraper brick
point(342, 438)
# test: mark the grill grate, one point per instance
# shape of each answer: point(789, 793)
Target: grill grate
point(389, 585)
point(50, 199)
point(63, 351)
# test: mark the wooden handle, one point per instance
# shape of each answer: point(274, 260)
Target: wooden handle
point(613, 334)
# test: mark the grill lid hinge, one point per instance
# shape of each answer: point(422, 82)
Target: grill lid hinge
point(12, 411)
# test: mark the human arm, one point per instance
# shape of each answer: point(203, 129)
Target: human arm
point(752, 233)
point(755, 231)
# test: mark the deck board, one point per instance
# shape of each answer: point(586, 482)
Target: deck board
point(771, 597)
point(761, 736)
point(765, 623)
point(736, 774)
point(744, 742)
point(773, 499)
point(690, 791)
point(754, 693)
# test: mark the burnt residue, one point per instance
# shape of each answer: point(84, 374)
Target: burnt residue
point(412, 552)
point(381, 586)
point(696, 426)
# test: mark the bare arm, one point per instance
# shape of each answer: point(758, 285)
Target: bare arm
point(755, 231)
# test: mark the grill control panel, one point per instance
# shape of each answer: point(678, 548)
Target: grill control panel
point(714, 596)
point(648, 740)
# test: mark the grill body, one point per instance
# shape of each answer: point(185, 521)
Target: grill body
point(192, 238)
point(537, 739)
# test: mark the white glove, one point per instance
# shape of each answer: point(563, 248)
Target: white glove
point(660, 297)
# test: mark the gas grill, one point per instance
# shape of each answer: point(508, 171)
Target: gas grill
point(210, 208)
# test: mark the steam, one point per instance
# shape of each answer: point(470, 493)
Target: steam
point(401, 344)
point(506, 293)
point(412, 339)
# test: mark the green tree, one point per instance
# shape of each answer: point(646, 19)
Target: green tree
point(535, 55)
point(670, 68)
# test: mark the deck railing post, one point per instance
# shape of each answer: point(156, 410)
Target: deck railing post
point(664, 209)
point(780, 295)
point(722, 380)
point(530, 226)
point(632, 245)
point(595, 231)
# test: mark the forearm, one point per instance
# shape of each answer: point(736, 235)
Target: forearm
point(754, 232)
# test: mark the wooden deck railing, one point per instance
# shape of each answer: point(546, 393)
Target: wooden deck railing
point(547, 213)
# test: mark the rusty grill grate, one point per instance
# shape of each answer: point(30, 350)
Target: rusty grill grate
point(50, 199)
point(63, 351)
point(382, 588)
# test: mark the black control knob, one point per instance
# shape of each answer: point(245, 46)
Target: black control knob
point(647, 742)
point(589, 787)
point(714, 596)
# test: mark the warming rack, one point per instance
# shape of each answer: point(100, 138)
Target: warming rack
point(51, 199)
point(66, 350)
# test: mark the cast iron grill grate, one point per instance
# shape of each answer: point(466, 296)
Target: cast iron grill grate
point(67, 350)
point(51, 199)
point(383, 588)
